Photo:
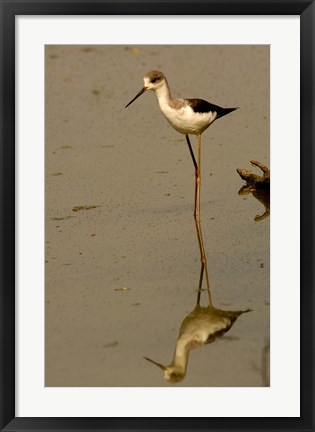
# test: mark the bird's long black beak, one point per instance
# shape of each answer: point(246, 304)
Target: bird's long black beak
point(136, 97)
point(157, 364)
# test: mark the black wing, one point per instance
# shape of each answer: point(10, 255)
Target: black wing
point(202, 106)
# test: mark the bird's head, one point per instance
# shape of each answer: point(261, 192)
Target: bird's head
point(152, 81)
point(172, 373)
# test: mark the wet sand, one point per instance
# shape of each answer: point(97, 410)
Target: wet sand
point(122, 257)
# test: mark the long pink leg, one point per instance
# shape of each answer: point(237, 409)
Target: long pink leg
point(204, 267)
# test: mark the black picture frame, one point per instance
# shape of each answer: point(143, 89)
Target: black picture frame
point(9, 9)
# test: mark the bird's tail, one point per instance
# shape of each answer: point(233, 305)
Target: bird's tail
point(236, 314)
point(224, 111)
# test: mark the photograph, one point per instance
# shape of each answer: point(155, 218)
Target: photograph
point(157, 215)
point(151, 277)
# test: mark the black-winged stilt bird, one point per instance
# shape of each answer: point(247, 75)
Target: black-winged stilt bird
point(189, 117)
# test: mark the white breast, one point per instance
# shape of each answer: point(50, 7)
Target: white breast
point(185, 120)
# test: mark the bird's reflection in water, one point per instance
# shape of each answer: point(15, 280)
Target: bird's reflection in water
point(202, 326)
point(262, 195)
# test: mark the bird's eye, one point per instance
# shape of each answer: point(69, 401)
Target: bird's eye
point(154, 80)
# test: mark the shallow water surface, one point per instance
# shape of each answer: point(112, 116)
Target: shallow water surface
point(122, 255)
